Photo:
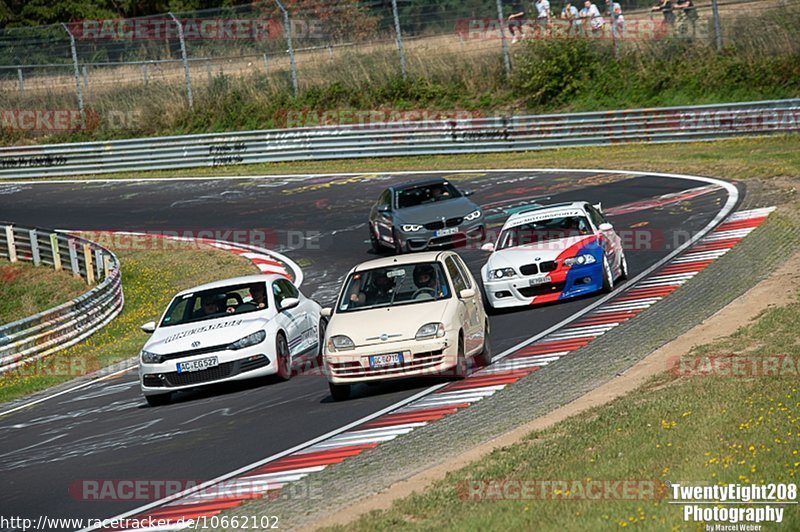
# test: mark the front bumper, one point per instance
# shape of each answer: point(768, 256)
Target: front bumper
point(420, 358)
point(237, 365)
point(425, 239)
point(569, 282)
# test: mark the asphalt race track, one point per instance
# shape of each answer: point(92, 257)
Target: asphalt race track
point(106, 431)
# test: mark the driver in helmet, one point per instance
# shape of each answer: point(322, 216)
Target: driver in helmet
point(425, 281)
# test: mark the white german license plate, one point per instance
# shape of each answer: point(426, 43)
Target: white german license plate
point(197, 365)
point(536, 281)
point(384, 361)
point(446, 232)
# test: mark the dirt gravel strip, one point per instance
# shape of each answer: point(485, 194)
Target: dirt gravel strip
point(367, 474)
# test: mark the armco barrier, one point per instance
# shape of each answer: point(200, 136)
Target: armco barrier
point(498, 134)
point(37, 336)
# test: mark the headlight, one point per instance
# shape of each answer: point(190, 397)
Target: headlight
point(150, 358)
point(430, 330)
point(410, 228)
point(249, 340)
point(472, 216)
point(502, 273)
point(580, 260)
point(340, 343)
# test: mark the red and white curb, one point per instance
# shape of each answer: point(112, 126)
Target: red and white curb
point(267, 479)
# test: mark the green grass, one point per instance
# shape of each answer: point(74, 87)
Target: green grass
point(150, 278)
point(26, 289)
point(699, 430)
point(763, 157)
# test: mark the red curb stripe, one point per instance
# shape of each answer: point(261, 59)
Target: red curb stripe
point(415, 416)
point(312, 459)
point(686, 267)
point(555, 346)
point(715, 245)
point(489, 380)
point(646, 293)
point(740, 224)
point(608, 317)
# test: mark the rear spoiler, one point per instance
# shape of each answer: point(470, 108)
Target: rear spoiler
point(598, 206)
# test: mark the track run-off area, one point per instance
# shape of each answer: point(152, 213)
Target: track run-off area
point(105, 430)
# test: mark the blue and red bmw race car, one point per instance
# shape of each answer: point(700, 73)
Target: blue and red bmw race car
point(553, 252)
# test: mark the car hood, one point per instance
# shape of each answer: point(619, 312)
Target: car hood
point(430, 212)
point(551, 250)
point(210, 333)
point(398, 323)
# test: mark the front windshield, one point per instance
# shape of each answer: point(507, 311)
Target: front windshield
point(421, 195)
point(216, 303)
point(393, 286)
point(539, 231)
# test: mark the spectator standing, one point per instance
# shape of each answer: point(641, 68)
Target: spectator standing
point(666, 9)
point(617, 20)
point(592, 16)
point(570, 14)
point(690, 16)
point(516, 21)
point(542, 16)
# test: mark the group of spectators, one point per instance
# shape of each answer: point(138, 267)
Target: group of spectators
point(588, 20)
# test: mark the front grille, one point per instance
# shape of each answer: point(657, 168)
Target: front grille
point(152, 381)
point(543, 289)
point(453, 222)
point(223, 371)
point(548, 266)
point(450, 222)
point(433, 226)
point(529, 269)
point(193, 352)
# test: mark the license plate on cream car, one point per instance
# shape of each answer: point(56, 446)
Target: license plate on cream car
point(197, 365)
point(385, 361)
point(536, 281)
point(446, 232)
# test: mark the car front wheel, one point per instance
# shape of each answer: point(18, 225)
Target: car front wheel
point(284, 358)
point(608, 276)
point(339, 392)
point(158, 400)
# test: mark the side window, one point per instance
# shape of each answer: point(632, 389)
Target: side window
point(455, 274)
point(287, 288)
point(279, 293)
point(464, 272)
point(385, 200)
point(595, 215)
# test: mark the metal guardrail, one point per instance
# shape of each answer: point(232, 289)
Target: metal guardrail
point(479, 135)
point(32, 338)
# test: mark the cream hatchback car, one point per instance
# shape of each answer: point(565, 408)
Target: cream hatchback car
point(405, 316)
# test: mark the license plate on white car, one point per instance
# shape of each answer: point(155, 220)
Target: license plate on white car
point(536, 281)
point(385, 361)
point(197, 365)
point(446, 232)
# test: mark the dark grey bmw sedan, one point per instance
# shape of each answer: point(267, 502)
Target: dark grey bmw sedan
point(423, 215)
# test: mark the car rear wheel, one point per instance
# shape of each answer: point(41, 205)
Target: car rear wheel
point(284, 358)
point(158, 400)
point(339, 392)
point(485, 357)
point(608, 276)
point(623, 268)
point(373, 240)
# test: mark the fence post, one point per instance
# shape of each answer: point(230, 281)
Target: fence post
point(34, 238)
point(266, 64)
point(98, 264)
point(56, 252)
point(208, 69)
point(87, 257)
point(144, 74)
point(288, 30)
point(77, 71)
point(12, 245)
point(717, 29)
point(185, 61)
point(21, 82)
point(73, 258)
point(399, 38)
point(85, 79)
point(506, 58)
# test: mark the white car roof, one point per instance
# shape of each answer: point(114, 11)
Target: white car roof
point(576, 208)
point(232, 281)
point(400, 260)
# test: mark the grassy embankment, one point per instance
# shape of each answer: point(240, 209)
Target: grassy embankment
point(26, 289)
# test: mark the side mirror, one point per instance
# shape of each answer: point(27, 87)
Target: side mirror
point(467, 192)
point(383, 209)
point(149, 327)
point(289, 303)
point(469, 293)
point(489, 246)
point(327, 312)
point(606, 227)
